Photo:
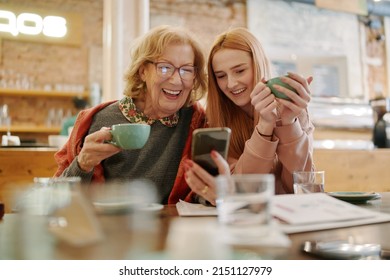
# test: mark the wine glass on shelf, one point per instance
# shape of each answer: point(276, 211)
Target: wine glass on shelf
point(3, 79)
point(5, 119)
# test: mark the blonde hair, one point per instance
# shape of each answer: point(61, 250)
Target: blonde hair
point(151, 46)
point(220, 110)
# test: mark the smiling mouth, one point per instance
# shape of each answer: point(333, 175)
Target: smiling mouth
point(237, 92)
point(171, 92)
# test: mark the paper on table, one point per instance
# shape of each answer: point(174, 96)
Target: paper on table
point(378, 218)
point(294, 209)
point(195, 209)
point(315, 208)
point(319, 211)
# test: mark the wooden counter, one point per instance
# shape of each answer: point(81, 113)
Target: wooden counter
point(354, 170)
point(18, 167)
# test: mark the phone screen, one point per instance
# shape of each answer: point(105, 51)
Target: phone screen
point(204, 141)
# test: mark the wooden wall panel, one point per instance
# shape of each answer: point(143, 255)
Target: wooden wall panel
point(354, 170)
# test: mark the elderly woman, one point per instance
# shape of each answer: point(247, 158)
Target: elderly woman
point(165, 79)
point(269, 134)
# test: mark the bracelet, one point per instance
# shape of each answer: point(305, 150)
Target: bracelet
point(261, 134)
point(265, 135)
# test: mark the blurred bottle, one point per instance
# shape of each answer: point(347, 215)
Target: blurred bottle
point(59, 117)
point(381, 131)
point(95, 94)
point(2, 210)
point(5, 121)
point(4, 117)
point(51, 117)
point(379, 135)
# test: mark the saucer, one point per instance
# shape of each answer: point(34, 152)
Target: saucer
point(125, 206)
point(355, 197)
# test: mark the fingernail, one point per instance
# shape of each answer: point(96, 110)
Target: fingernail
point(214, 154)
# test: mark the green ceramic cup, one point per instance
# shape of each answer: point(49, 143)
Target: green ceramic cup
point(276, 81)
point(130, 136)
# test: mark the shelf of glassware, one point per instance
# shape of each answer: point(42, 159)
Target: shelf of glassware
point(41, 93)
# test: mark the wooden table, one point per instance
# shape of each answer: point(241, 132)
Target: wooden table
point(143, 237)
point(346, 170)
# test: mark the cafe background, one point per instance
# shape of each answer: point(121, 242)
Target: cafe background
point(342, 46)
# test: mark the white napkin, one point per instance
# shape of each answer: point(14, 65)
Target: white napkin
point(195, 209)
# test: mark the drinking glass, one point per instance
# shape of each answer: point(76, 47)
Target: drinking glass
point(51, 211)
point(243, 200)
point(243, 206)
point(309, 181)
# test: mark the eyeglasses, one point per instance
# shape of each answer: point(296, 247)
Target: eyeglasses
point(165, 70)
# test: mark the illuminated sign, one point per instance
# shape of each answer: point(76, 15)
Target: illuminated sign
point(30, 24)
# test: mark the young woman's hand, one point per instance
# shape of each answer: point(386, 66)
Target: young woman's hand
point(264, 102)
point(289, 110)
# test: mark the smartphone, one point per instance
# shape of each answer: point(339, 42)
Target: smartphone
point(204, 140)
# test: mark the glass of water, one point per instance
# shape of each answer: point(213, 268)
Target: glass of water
point(244, 200)
point(309, 181)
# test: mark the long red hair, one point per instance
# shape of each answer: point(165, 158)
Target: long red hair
point(220, 110)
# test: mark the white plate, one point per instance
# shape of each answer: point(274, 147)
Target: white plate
point(122, 207)
point(151, 207)
point(355, 197)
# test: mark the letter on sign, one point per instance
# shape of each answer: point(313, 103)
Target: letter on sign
point(54, 26)
point(9, 24)
point(29, 24)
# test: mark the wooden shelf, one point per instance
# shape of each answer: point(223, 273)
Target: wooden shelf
point(41, 93)
point(31, 129)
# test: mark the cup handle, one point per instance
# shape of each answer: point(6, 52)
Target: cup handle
point(112, 141)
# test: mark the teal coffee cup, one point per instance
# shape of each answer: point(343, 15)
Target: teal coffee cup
point(130, 136)
point(276, 81)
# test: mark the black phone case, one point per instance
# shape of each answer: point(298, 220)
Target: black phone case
point(206, 140)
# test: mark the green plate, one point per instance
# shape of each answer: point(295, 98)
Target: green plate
point(355, 197)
